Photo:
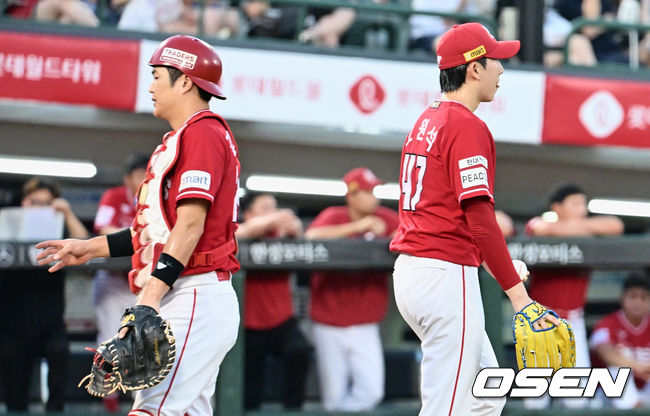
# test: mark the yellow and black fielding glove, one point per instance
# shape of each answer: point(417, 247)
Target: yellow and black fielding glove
point(552, 347)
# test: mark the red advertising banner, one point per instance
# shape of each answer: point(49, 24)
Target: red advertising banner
point(66, 69)
point(596, 112)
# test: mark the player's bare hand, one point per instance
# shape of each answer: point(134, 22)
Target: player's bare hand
point(641, 370)
point(61, 205)
point(372, 224)
point(546, 321)
point(288, 223)
point(69, 252)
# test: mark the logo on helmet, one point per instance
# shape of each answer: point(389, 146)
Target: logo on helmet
point(178, 58)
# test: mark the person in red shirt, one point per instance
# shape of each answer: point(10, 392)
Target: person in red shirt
point(622, 339)
point(269, 321)
point(111, 293)
point(447, 226)
point(347, 306)
point(184, 229)
point(565, 289)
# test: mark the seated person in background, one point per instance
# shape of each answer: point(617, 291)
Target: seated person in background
point(74, 12)
point(425, 30)
point(31, 314)
point(555, 31)
point(622, 339)
point(505, 223)
point(347, 306)
point(565, 289)
point(268, 21)
point(269, 321)
point(328, 26)
point(604, 43)
point(180, 16)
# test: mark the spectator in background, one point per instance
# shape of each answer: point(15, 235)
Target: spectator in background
point(111, 293)
point(269, 321)
point(19, 9)
point(327, 26)
point(74, 12)
point(605, 46)
point(555, 32)
point(31, 314)
point(347, 306)
point(505, 223)
point(622, 339)
point(180, 16)
point(565, 290)
point(425, 30)
point(268, 21)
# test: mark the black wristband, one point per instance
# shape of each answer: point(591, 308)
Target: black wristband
point(167, 269)
point(120, 244)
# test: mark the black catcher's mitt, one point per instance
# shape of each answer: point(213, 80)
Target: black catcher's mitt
point(141, 359)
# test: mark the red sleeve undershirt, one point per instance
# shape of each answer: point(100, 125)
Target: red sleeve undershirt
point(479, 213)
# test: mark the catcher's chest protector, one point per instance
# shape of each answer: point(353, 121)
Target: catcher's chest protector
point(151, 225)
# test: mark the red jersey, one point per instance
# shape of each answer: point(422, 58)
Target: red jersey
point(268, 299)
point(562, 289)
point(447, 157)
point(345, 298)
point(633, 342)
point(207, 168)
point(116, 209)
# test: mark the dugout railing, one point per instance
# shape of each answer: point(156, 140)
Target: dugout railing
point(615, 253)
point(633, 31)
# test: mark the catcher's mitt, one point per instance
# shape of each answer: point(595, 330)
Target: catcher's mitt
point(141, 359)
point(552, 347)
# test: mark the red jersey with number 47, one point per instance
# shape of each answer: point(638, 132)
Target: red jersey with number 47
point(447, 157)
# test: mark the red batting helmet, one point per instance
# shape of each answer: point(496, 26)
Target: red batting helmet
point(193, 57)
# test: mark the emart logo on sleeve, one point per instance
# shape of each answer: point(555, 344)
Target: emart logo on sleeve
point(195, 179)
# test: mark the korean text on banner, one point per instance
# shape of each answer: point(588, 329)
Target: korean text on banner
point(69, 69)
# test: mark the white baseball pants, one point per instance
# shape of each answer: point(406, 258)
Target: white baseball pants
point(204, 317)
point(441, 302)
point(111, 296)
point(350, 366)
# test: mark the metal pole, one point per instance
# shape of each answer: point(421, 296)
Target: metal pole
point(531, 21)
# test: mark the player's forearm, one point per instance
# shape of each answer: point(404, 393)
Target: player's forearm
point(490, 242)
point(518, 297)
point(183, 240)
point(581, 227)
point(152, 292)
point(98, 246)
point(180, 245)
point(75, 227)
point(605, 225)
point(256, 227)
point(610, 355)
point(330, 232)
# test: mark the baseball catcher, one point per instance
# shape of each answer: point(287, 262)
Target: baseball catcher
point(553, 346)
point(140, 359)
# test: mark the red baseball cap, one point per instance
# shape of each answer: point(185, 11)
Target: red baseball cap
point(468, 42)
point(361, 179)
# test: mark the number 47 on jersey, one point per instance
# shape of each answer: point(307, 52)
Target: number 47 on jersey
point(413, 170)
